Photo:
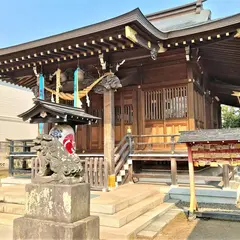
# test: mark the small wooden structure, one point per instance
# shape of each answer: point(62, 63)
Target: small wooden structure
point(211, 147)
point(48, 112)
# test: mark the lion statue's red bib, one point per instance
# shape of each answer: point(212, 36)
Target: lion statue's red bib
point(65, 134)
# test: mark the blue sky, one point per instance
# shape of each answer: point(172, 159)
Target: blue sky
point(26, 20)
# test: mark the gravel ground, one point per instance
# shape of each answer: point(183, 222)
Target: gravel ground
point(212, 207)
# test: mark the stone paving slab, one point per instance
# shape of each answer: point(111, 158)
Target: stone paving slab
point(158, 224)
point(6, 232)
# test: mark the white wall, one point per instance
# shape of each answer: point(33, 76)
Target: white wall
point(15, 100)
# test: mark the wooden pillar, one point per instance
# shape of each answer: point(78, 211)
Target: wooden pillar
point(109, 135)
point(191, 117)
point(130, 170)
point(225, 176)
point(174, 171)
point(193, 200)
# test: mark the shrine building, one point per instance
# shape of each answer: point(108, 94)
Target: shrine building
point(176, 67)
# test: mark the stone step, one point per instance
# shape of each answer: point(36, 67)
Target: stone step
point(15, 181)
point(12, 194)
point(130, 230)
point(6, 225)
point(153, 229)
point(125, 196)
point(17, 209)
point(125, 216)
point(7, 219)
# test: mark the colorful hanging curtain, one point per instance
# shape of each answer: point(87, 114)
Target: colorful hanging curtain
point(58, 84)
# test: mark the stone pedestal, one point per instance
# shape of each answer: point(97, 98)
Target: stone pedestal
point(55, 211)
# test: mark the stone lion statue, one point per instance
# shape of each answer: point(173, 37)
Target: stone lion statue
point(56, 164)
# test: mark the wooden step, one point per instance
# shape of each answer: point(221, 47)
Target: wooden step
point(17, 209)
point(125, 196)
point(125, 216)
point(130, 230)
point(153, 229)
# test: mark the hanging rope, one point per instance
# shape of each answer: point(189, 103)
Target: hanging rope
point(82, 93)
point(58, 83)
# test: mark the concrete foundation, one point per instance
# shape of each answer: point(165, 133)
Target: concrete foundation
point(206, 195)
point(55, 211)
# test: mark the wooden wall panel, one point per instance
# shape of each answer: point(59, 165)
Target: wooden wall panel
point(165, 73)
point(90, 137)
point(175, 127)
point(118, 135)
point(81, 141)
point(166, 112)
point(165, 127)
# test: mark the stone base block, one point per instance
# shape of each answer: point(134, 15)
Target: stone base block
point(59, 203)
point(33, 229)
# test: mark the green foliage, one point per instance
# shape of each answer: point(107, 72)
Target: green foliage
point(230, 117)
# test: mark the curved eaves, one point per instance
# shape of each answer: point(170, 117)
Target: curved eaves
point(133, 16)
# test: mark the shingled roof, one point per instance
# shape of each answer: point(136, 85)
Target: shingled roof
point(44, 111)
point(208, 135)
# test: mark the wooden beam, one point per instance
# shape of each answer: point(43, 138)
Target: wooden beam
point(109, 135)
point(237, 35)
point(174, 171)
point(132, 35)
point(191, 117)
point(225, 176)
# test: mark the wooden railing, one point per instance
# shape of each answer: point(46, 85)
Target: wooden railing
point(121, 153)
point(20, 151)
point(147, 142)
point(96, 173)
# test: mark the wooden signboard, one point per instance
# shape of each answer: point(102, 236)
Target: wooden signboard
point(210, 147)
point(215, 154)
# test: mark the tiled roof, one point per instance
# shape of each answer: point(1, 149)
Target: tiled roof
point(215, 135)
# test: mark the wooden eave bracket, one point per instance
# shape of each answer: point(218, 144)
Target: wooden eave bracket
point(187, 51)
point(237, 35)
point(237, 94)
point(154, 48)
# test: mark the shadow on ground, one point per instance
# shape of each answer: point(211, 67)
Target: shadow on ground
point(215, 229)
point(181, 229)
